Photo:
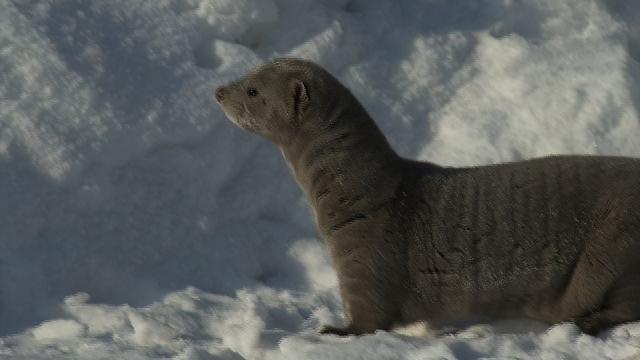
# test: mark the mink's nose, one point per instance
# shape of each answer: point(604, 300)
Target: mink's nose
point(220, 94)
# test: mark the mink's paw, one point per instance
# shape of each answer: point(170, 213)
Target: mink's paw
point(331, 330)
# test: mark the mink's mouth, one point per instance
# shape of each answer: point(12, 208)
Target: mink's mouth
point(233, 111)
point(239, 115)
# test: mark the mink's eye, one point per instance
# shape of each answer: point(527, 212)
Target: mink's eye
point(252, 92)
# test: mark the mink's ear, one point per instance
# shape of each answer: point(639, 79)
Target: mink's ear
point(300, 97)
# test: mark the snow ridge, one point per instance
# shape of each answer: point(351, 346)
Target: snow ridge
point(136, 222)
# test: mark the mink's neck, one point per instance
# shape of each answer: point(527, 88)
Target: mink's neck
point(346, 167)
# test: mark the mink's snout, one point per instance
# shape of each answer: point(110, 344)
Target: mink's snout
point(220, 94)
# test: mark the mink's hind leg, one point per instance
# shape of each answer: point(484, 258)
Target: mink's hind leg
point(621, 305)
point(604, 287)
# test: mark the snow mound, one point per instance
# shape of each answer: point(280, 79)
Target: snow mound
point(137, 222)
point(57, 330)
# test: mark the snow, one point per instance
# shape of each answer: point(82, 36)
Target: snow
point(57, 330)
point(137, 222)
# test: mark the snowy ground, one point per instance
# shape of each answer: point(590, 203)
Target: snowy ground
point(136, 222)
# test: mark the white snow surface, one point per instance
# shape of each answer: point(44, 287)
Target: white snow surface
point(136, 222)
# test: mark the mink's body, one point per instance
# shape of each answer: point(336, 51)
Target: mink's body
point(554, 239)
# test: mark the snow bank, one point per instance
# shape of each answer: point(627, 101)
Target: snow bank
point(57, 330)
point(123, 183)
